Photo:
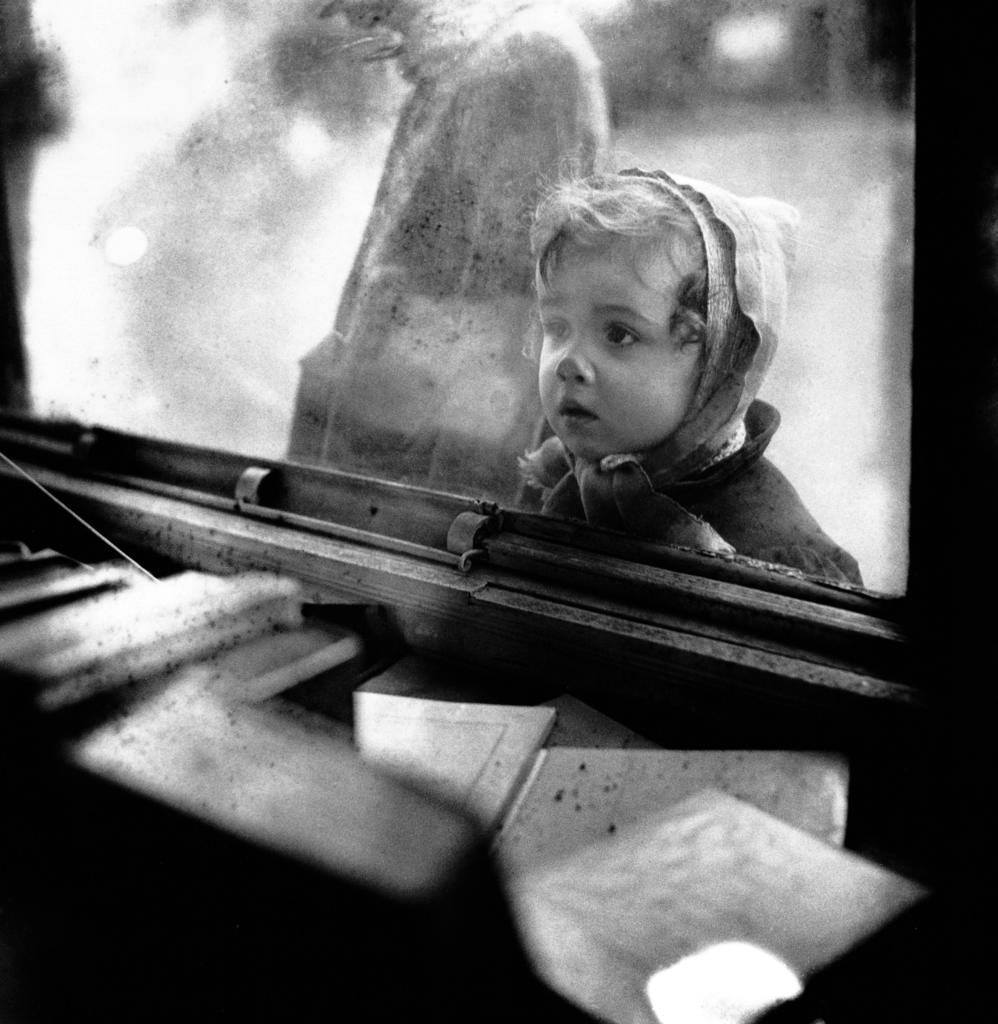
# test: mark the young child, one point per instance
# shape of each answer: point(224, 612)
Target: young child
point(661, 300)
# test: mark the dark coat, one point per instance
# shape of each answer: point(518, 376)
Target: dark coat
point(745, 499)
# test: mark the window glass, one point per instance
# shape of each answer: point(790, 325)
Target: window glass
point(301, 229)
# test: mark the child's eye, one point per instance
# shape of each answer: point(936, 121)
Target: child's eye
point(619, 335)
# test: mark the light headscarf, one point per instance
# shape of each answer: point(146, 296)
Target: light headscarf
point(750, 244)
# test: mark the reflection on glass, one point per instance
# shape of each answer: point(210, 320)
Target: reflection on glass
point(728, 983)
point(303, 227)
point(422, 375)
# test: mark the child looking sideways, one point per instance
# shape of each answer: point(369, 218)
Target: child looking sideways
point(661, 300)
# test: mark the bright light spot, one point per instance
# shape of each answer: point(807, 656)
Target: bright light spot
point(751, 37)
point(308, 145)
point(125, 246)
point(729, 983)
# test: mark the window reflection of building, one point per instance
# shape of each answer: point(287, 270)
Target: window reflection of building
point(812, 50)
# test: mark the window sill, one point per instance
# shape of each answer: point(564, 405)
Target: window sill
point(752, 665)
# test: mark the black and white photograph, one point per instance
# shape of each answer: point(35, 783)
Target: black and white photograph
point(497, 501)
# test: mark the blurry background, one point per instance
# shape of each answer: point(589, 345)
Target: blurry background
point(190, 226)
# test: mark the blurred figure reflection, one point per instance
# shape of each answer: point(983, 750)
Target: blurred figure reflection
point(422, 378)
point(30, 108)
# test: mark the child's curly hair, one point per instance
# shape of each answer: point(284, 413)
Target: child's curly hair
point(602, 208)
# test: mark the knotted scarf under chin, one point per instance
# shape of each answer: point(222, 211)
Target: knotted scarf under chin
point(618, 494)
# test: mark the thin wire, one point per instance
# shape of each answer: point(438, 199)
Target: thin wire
point(27, 476)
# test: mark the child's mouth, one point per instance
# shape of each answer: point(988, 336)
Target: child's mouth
point(575, 413)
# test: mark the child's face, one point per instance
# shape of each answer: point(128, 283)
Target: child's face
point(613, 377)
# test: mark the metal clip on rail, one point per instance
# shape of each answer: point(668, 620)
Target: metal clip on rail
point(249, 485)
point(468, 531)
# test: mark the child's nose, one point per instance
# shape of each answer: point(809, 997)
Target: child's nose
point(575, 367)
